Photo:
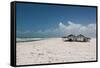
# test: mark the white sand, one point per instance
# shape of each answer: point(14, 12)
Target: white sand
point(55, 50)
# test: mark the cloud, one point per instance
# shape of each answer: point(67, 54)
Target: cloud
point(66, 29)
point(71, 28)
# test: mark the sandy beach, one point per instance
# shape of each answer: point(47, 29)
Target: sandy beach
point(54, 50)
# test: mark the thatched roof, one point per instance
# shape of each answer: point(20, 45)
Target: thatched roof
point(81, 36)
point(71, 35)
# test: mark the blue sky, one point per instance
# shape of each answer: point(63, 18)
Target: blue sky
point(40, 20)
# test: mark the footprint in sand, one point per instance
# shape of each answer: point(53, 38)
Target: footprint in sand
point(40, 54)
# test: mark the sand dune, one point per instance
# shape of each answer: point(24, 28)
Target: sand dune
point(55, 50)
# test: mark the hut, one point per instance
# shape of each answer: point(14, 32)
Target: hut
point(82, 38)
point(71, 37)
point(79, 38)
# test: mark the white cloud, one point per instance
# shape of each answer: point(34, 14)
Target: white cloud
point(72, 28)
point(66, 29)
